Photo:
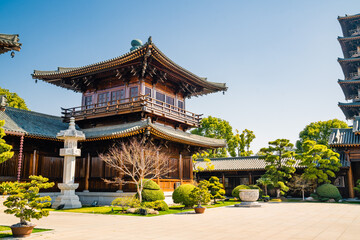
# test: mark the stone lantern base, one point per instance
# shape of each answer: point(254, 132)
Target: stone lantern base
point(67, 196)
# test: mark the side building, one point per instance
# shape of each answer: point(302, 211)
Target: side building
point(141, 93)
point(347, 141)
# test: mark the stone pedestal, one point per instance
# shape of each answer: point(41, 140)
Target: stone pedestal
point(70, 152)
point(67, 197)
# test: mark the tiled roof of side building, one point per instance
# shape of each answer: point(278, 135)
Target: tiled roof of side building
point(251, 163)
point(340, 18)
point(31, 123)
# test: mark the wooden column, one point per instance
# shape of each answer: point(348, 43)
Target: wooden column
point(223, 179)
point(180, 168)
point(351, 182)
point(20, 158)
point(33, 172)
point(250, 178)
point(87, 172)
point(191, 169)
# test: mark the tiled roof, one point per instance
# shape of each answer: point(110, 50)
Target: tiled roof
point(344, 137)
point(349, 17)
point(31, 123)
point(42, 125)
point(61, 73)
point(251, 163)
point(9, 42)
point(237, 163)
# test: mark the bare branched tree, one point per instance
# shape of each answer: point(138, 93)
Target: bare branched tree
point(140, 160)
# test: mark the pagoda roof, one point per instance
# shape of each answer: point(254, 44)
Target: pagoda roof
point(350, 88)
point(349, 65)
point(347, 17)
point(344, 39)
point(9, 42)
point(350, 110)
point(137, 56)
point(38, 125)
point(344, 22)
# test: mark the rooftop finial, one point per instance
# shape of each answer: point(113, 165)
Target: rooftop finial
point(150, 40)
point(135, 44)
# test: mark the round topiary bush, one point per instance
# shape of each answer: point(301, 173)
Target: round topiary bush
point(152, 192)
point(236, 190)
point(328, 191)
point(181, 195)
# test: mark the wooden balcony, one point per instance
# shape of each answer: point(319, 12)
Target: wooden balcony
point(354, 75)
point(131, 105)
point(354, 53)
point(355, 31)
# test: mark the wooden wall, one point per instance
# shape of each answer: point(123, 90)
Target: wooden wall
point(45, 161)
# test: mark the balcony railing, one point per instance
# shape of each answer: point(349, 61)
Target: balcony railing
point(135, 104)
point(354, 75)
point(354, 53)
point(355, 31)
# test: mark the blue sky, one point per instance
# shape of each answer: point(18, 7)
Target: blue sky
point(278, 58)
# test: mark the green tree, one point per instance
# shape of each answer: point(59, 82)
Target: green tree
point(265, 182)
point(216, 188)
point(243, 141)
point(319, 161)
point(204, 156)
point(5, 149)
point(25, 201)
point(279, 158)
point(200, 194)
point(13, 100)
point(319, 132)
point(302, 184)
point(217, 128)
point(357, 187)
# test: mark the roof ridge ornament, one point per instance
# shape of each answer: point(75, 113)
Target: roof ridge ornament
point(149, 40)
point(135, 44)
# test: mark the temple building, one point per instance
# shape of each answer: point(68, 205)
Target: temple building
point(141, 93)
point(347, 141)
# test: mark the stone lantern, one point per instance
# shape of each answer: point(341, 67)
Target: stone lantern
point(71, 136)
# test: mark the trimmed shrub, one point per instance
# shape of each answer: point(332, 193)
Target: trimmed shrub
point(152, 195)
point(152, 192)
point(182, 195)
point(328, 191)
point(159, 205)
point(151, 185)
point(126, 202)
point(236, 190)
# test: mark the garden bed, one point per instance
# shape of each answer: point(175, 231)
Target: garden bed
point(5, 231)
point(117, 210)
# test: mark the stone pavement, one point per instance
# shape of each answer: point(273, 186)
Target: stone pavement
point(279, 221)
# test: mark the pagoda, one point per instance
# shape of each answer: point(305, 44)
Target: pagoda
point(139, 94)
point(347, 141)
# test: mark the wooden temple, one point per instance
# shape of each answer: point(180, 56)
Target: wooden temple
point(347, 141)
point(141, 93)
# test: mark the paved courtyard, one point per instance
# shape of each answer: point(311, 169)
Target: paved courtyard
point(272, 221)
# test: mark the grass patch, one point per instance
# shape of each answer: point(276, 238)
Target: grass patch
point(117, 210)
point(5, 231)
